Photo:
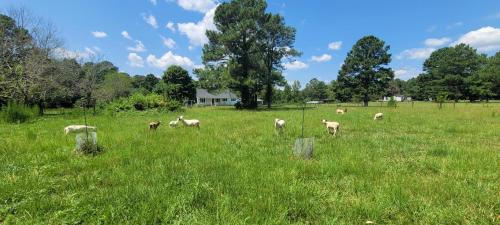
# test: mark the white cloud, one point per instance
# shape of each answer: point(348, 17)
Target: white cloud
point(135, 60)
point(65, 53)
point(406, 73)
point(99, 34)
point(168, 42)
point(170, 25)
point(196, 31)
point(436, 42)
point(400, 72)
point(321, 58)
point(153, 2)
point(169, 59)
point(197, 5)
point(126, 35)
point(295, 65)
point(151, 20)
point(416, 53)
point(336, 45)
point(139, 47)
point(485, 39)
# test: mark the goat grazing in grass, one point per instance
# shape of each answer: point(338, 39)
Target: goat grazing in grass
point(331, 127)
point(279, 124)
point(378, 116)
point(79, 129)
point(341, 111)
point(174, 123)
point(154, 125)
point(189, 123)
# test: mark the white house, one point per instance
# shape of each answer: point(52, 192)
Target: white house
point(204, 97)
point(398, 98)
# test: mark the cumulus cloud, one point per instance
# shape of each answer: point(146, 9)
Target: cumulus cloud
point(168, 42)
point(197, 5)
point(406, 73)
point(436, 42)
point(322, 58)
point(126, 35)
point(151, 20)
point(416, 53)
point(171, 26)
point(139, 47)
point(169, 59)
point(336, 45)
point(196, 31)
point(135, 60)
point(63, 53)
point(485, 39)
point(295, 65)
point(99, 34)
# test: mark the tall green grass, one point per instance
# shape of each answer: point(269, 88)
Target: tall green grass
point(15, 112)
point(418, 165)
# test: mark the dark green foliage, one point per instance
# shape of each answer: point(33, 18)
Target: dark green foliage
point(15, 112)
point(146, 83)
point(363, 73)
point(140, 102)
point(182, 86)
point(447, 69)
point(315, 90)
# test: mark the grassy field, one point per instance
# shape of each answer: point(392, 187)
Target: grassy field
point(419, 165)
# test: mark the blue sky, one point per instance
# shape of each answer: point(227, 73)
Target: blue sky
point(166, 32)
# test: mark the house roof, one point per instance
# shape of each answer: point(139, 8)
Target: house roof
point(204, 93)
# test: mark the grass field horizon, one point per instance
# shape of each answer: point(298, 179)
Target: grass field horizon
point(419, 165)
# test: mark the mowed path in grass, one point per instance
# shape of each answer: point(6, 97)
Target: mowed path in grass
point(418, 165)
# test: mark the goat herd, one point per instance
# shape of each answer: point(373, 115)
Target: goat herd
point(331, 126)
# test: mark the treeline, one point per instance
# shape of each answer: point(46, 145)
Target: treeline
point(33, 73)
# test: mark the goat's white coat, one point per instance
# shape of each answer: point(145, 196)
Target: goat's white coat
point(378, 116)
point(331, 127)
point(279, 123)
point(174, 123)
point(190, 123)
point(341, 111)
point(79, 129)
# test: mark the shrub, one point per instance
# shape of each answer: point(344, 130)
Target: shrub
point(88, 147)
point(238, 105)
point(171, 106)
point(18, 112)
point(392, 102)
point(141, 102)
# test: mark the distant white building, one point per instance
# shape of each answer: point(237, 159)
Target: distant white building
point(398, 98)
point(204, 97)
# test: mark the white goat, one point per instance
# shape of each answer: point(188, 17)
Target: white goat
point(279, 124)
point(331, 127)
point(378, 116)
point(341, 111)
point(174, 123)
point(190, 123)
point(79, 129)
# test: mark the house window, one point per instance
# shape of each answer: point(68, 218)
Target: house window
point(224, 99)
point(233, 99)
point(202, 100)
point(217, 100)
